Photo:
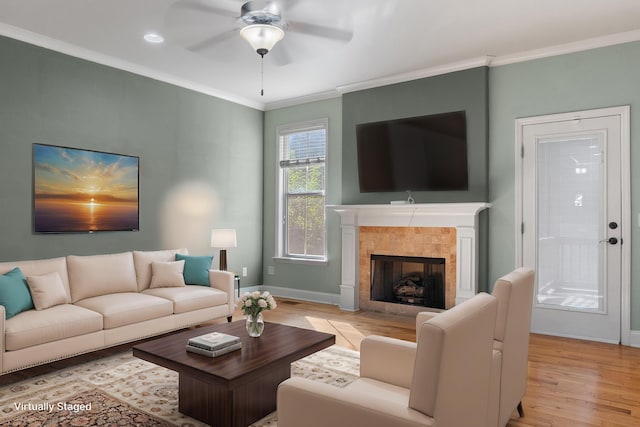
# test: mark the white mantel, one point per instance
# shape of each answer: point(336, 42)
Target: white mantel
point(462, 216)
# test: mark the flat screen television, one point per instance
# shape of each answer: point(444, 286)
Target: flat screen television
point(426, 153)
point(83, 191)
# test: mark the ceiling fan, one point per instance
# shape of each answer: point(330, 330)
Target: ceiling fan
point(261, 23)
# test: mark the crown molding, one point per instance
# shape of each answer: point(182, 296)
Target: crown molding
point(488, 60)
point(563, 49)
point(110, 61)
point(330, 94)
point(415, 75)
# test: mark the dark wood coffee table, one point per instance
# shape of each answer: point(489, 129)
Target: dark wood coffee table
point(238, 388)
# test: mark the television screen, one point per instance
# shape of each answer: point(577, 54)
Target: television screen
point(78, 190)
point(427, 153)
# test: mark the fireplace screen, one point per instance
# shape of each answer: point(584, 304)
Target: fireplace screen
point(408, 280)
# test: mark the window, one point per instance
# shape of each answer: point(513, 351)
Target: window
point(301, 190)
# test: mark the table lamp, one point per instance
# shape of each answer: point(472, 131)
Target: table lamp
point(223, 239)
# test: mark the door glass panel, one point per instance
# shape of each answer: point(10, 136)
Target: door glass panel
point(569, 203)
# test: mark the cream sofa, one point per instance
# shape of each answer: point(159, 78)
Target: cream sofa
point(108, 302)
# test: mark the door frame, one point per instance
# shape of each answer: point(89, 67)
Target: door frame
point(625, 140)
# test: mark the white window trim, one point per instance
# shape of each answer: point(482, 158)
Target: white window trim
point(280, 202)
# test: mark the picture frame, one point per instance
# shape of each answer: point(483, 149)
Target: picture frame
point(84, 191)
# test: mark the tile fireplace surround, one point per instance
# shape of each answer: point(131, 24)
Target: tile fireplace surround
point(461, 216)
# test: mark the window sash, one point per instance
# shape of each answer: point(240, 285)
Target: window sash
point(302, 229)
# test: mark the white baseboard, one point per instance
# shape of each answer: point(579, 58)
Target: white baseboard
point(634, 338)
point(311, 296)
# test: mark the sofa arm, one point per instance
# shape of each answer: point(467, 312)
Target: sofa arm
point(377, 351)
point(223, 280)
point(302, 402)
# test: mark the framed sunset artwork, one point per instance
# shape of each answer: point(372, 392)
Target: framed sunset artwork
point(84, 191)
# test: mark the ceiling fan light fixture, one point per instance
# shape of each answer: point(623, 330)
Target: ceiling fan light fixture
point(262, 37)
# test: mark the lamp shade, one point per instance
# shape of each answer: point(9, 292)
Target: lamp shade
point(262, 37)
point(223, 238)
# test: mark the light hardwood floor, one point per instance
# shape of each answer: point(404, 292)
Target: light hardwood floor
point(570, 383)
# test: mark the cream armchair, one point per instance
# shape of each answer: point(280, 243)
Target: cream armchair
point(514, 293)
point(442, 381)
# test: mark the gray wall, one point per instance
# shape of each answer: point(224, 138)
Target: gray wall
point(203, 162)
point(200, 157)
point(592, 79)
point(463, 90)
point(315, 278)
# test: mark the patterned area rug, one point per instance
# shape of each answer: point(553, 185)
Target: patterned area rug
point(122, 390)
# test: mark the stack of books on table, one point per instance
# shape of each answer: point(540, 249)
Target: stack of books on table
point(214, 344)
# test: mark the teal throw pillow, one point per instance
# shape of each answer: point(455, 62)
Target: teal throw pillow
point(196, 269)
point(14, 293)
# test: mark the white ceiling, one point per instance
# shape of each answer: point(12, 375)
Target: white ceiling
point(393, 40)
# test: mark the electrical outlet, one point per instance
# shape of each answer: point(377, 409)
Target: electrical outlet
point(244, 271)
point(271, 270)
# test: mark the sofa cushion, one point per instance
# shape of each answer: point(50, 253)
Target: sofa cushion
point(47, 290)
point(167, 274)
point(196, 269)
point(35, 327)
point(39, 267)
point(190, 297)
point(143, 260)
point(125, 308)
point(95, 275)
point(14, 293)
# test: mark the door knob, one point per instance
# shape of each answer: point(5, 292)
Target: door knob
point(610, 240)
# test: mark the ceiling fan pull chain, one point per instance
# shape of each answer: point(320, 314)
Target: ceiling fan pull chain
point(262, 75)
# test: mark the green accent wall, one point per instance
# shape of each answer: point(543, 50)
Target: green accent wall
point(200, 156)
point(324, 278)
point(462, 90)
point(597, 78)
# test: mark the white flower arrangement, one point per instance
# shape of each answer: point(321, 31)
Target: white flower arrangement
point(253, 303)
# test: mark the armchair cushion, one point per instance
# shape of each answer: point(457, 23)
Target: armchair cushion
point(365, 402)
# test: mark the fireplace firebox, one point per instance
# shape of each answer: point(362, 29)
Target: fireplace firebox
point(408, 280)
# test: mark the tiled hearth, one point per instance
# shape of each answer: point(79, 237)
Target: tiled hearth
point(408, 230)
point(433, 242)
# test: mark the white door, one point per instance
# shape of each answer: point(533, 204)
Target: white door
point(573, 223)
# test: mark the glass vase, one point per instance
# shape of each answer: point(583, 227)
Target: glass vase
point(255, 325)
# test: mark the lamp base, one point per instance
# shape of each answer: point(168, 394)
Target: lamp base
point(223, 259)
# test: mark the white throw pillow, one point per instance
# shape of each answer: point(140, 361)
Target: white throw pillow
point(167, 274)
point(47, 290)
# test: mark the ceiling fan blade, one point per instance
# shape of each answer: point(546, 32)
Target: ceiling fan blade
point(202, 45)
point(280, 55)
point(199, 7)
point(320, 31)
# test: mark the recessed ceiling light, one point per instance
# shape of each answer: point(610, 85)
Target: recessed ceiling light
point(153, 38)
